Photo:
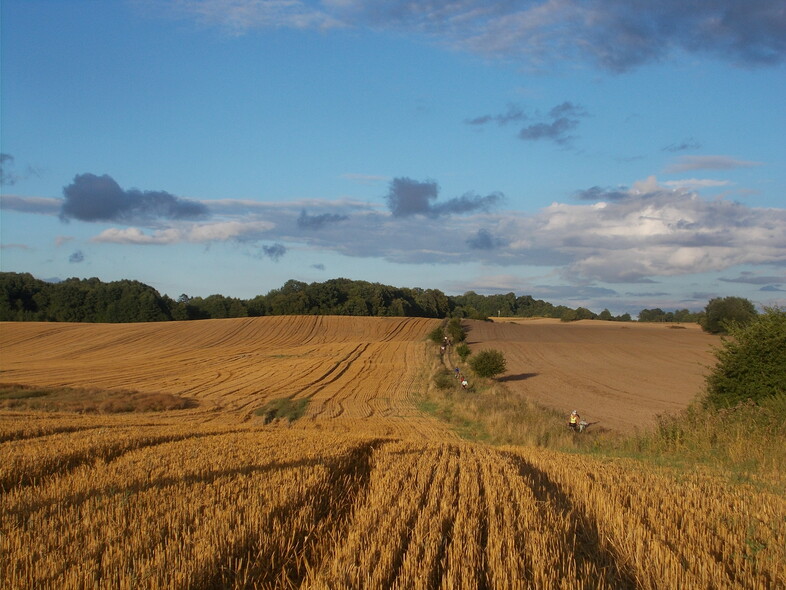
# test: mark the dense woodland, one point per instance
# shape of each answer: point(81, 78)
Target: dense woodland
point(25, 298)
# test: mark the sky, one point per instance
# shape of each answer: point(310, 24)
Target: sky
point(609, 154)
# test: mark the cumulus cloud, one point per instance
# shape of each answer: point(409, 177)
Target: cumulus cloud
point(688, 163)
point(307, 221)
point(634, 234)
point(76, 257)
point(100, 198)
point(661, 232)
point(274, 252)
point(614, 34)
point(407, 197)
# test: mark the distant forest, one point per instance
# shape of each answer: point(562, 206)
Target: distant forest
point(25, 298)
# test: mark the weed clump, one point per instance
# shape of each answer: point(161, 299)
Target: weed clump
point(283, 409)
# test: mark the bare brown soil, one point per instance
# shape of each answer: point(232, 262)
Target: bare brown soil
point(619, 376)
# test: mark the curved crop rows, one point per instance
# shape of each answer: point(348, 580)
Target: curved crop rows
point(349, 368)
point(363, 491)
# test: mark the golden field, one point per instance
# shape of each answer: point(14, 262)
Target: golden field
point(362, 491)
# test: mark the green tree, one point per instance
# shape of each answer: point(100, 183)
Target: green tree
point(652, 315)
point(751, 363)
point(722, 313)
point(488, 363)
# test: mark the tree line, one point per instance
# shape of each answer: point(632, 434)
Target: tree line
point(25, 298)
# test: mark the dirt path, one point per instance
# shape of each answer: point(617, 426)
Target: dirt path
point(620, 375)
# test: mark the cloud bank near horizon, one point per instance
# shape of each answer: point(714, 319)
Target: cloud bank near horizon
point(636, 234)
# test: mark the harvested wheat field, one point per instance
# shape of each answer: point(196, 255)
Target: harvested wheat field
point(362, 491)
point(350, 369)
point(618, 375)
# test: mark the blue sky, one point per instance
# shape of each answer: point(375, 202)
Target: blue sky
point(620, 154)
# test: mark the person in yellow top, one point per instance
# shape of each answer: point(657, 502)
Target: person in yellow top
point(573, 421)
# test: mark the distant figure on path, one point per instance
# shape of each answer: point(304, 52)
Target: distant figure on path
point(573, 421)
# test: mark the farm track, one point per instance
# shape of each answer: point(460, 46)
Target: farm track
point(363, 491)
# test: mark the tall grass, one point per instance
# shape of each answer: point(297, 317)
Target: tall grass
point(488, 412)
point(747, 442)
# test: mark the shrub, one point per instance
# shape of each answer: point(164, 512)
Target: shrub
point(436, 335)
point(283, 408)
point(463, 351)
point(444, 380)
point(569, 315)
point(488, 363)
point(751, 364)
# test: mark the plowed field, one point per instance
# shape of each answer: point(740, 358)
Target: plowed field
point(618, 375)
point(363, 491)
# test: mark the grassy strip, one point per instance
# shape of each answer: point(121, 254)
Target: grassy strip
point(15, 396)
point(283, 409)
point(488, 412)
point(747, 443)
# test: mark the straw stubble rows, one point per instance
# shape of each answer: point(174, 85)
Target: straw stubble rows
point(363, 492)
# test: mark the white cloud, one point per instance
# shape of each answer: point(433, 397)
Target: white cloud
point(194, 233)
point(646, 232)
